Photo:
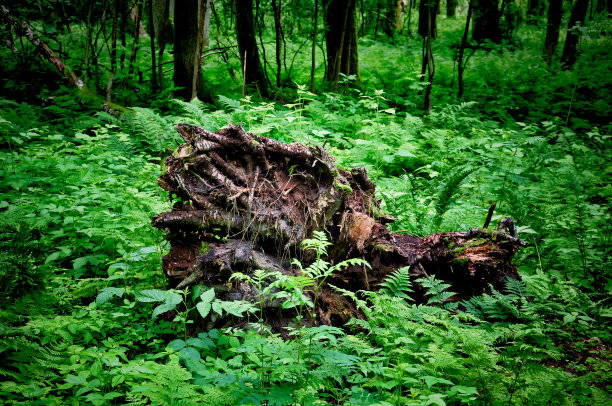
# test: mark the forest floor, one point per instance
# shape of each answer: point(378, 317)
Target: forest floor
point(85, 316)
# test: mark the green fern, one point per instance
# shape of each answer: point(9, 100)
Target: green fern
point(446, 191)
point(153, 131)
point(195, 112)
point(167, 384)
point(398, 284)
point(229, 104)
point(436, 292)
point(20, 252)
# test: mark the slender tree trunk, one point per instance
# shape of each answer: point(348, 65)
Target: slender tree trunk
point(249, 54)
point(451, 8)
point(161, 24)
point(206, 30)
point(189, 15)
point(137, 21)
point(203, 10)
point(88, 41)
point(428, 11)
point(113, 53)
point(570, 50)
point(341, 39)
point(555, 12)
point(377, 18)
point(460, 63)
point(122, 31)
point(409, 16)
point(314, 45)
point(486, 21)
point(260, 25)
point(601, 6)
point(535, 9)
point(152, 34)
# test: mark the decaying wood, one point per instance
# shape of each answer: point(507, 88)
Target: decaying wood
point(245, 202)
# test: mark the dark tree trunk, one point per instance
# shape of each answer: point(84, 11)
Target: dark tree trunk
point(187, 48)
point(162, 29)
point(341, 39)
point(485, 24)
point(154, 85)
point(88, 40)
point(278, 36)
point(570, 50)
point(535, 10)
point(451, 8)
point(137, 20)
point(267, 197)
point(601, 6)
point(428, 11)
point(555, 12)
point(113, 52)
point(247, 45)
point(314, 45)
point(460, 62)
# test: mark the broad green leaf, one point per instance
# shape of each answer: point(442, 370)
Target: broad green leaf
point(151, 295)
point(177, 344)
point(203, 308)
point(163, 308)
point(107, 293)
point(208, 296)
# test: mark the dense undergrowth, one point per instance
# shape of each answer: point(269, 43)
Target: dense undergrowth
point(85, 317)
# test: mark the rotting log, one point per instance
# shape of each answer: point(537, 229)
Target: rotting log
point(245, 202)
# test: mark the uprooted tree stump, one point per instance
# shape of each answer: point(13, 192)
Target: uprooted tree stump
point(245, 202)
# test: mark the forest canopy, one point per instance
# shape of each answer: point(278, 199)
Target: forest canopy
point(401, 133)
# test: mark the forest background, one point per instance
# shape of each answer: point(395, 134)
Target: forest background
point(451, 107)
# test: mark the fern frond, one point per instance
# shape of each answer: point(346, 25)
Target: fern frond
point(195, 112)
point(398, 284)
point(446, 192)
point(229, 104)
point(516, 287)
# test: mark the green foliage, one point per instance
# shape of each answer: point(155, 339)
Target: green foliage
point(398, 284)
point(77, 192)
point(20, 258)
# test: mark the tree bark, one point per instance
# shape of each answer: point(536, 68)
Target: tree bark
point(460, 62)
point(154, 84)
point(485, 24)
point(314, 46)
point(535, 9)
point(113, 53)
point(428, 12)
point(249, 53)
point(265, 197)
point(137, 20)
point(161, 28)
point(341, 39)
point(187, 47)
point(451, 8)
point(570, 50)
point(555, 12)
